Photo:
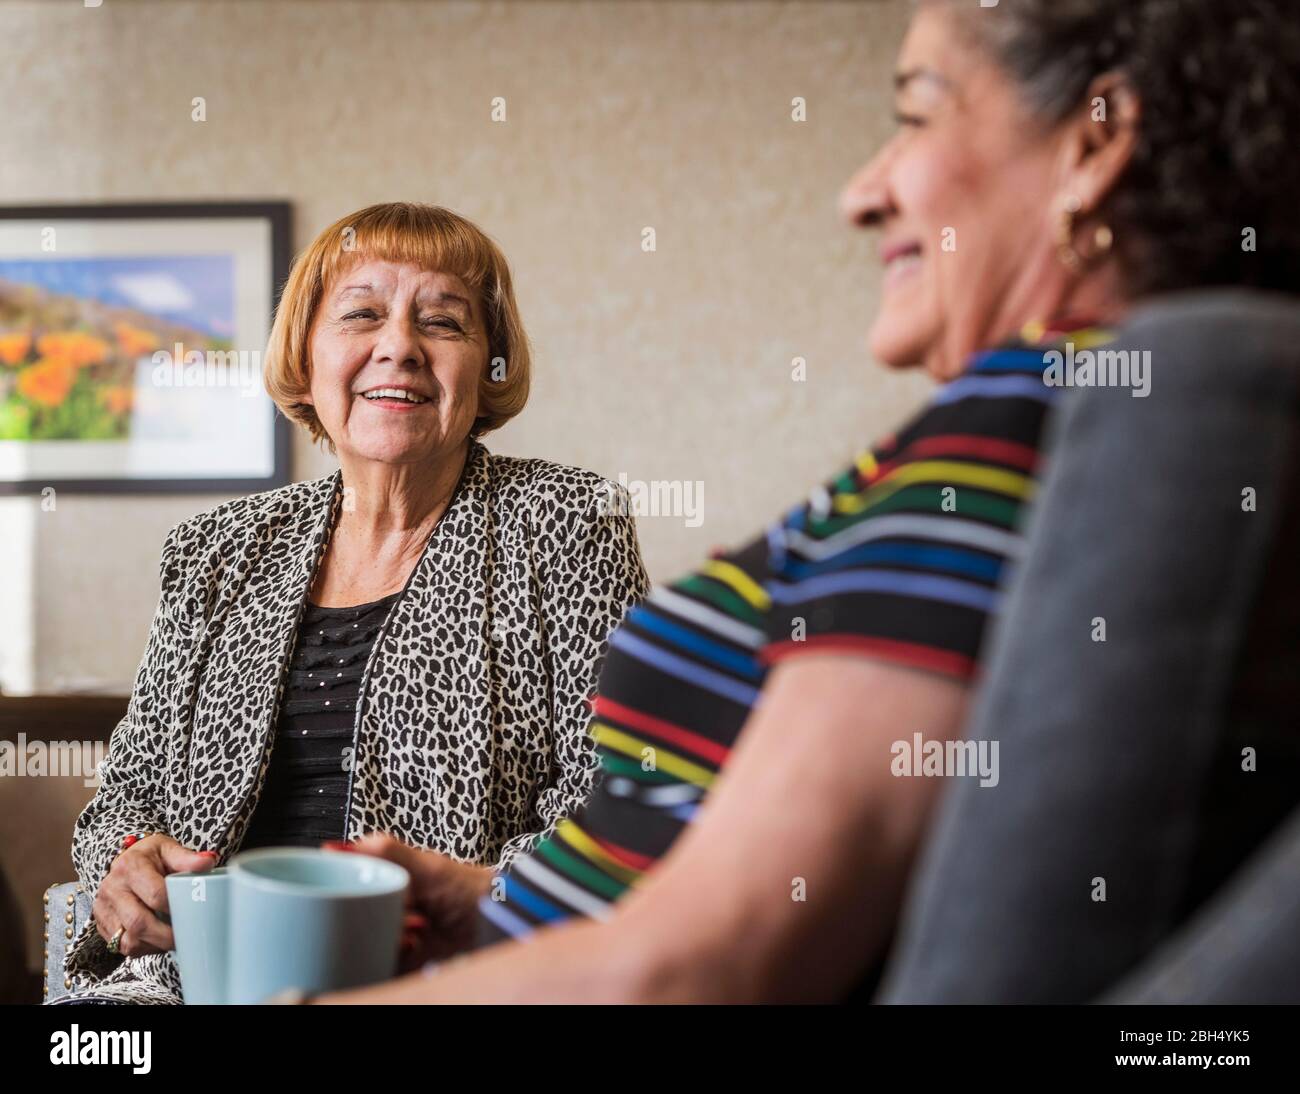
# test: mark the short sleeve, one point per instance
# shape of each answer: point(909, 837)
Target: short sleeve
point(901, 556)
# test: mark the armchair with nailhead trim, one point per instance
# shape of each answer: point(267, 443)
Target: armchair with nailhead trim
point(67, 909)
point(37, 821)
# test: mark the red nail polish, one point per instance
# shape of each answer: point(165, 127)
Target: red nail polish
point(337, 845)
point(210, 854)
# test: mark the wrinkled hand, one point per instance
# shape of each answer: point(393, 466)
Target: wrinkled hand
point(441, 902)
point(133, 894)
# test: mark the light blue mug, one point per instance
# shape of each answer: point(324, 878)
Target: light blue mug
point(314, 920)
point(199, 906)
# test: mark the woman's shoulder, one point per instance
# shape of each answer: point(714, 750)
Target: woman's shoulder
point(238, 517)
point(544, 487)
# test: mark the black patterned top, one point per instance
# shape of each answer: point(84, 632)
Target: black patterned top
point(304, 798)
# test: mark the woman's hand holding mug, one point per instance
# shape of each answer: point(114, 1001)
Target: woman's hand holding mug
point(132, 898)
point(441, 903)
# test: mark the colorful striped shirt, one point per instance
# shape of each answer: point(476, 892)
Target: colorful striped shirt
point(898, 558)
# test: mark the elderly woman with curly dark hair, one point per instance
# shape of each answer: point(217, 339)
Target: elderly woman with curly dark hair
point(1057, 164)
point(405, 645)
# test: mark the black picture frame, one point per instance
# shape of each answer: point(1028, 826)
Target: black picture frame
point(277, 214)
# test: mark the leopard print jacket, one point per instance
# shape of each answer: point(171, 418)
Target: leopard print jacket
point(471, 735)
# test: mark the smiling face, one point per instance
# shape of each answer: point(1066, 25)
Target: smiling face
point(396, 355)
point(963, 198)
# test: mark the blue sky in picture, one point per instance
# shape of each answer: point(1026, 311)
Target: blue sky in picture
point(189, 290)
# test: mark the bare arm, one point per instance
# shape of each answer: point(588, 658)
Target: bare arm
point(808, 794)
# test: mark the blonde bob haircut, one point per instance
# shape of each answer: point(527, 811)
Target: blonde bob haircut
point(427, 236)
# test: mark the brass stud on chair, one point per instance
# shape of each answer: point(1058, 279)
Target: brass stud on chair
point(71, 900)
point(47, 917)
point(67, 933)
point(67, 918)
point(46, 935)
point(67, 983)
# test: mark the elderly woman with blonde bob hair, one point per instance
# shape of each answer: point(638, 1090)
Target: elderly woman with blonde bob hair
point(405, 645)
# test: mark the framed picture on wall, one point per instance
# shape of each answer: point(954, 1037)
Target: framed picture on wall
point(131, 345)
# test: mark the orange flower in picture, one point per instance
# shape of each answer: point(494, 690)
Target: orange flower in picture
point(55, 347)
point(14, 346)
point(46, 383)
point(117, 399)
point(73, 347)
point(133, 341)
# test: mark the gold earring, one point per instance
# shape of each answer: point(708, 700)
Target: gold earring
point(1102, 239)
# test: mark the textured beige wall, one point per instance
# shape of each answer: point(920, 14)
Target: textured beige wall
point(673, 365)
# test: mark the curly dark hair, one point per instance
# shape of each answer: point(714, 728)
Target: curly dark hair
point(1219, 87)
